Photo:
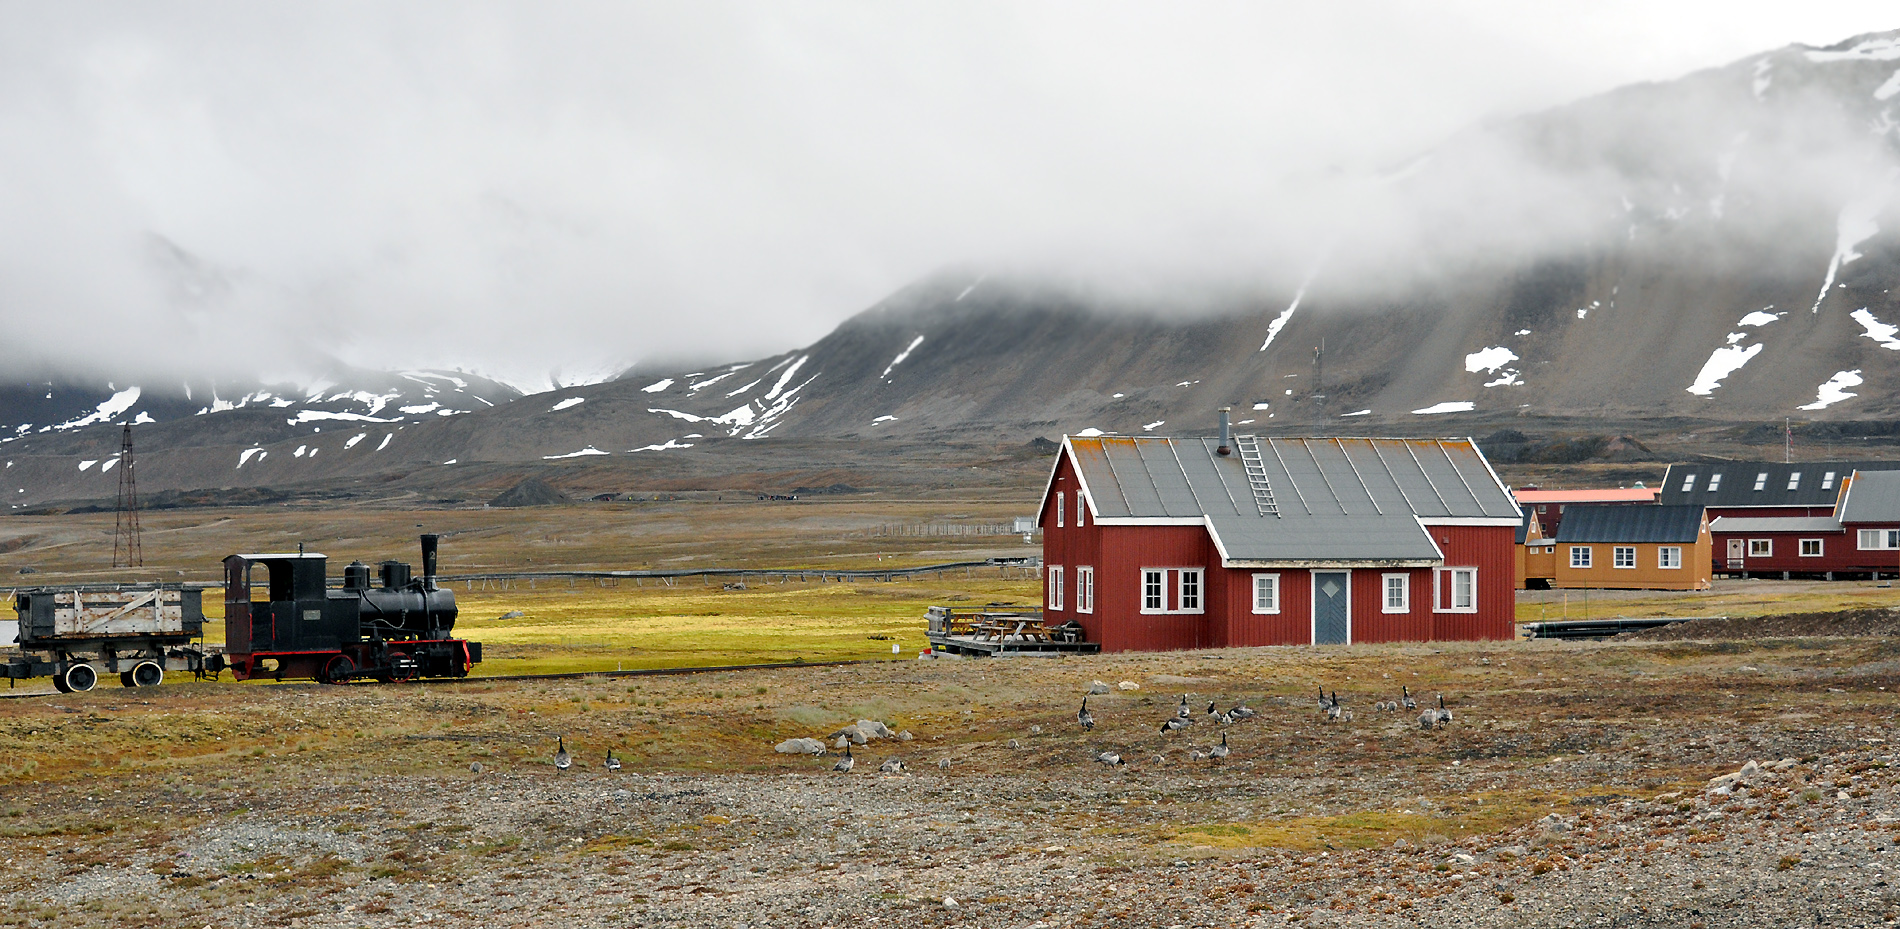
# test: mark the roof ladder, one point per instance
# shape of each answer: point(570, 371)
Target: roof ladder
point(1257, 475)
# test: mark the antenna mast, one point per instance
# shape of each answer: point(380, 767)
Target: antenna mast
point(126, 552)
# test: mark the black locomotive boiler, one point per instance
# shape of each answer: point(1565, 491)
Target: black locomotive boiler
point(282, 620)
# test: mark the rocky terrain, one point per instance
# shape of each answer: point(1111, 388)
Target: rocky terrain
point(1728, 783)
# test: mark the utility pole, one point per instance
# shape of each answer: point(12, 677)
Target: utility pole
point(1319, 370)
point(1787, 449)
point(126, 552)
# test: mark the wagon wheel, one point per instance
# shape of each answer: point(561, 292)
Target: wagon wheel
point(339, 669)
point(79, 678)
point(146, 674)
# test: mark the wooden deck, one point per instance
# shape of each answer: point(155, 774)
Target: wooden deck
point(1002, 629)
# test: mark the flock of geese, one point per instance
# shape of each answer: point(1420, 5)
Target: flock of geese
point(1332, 709)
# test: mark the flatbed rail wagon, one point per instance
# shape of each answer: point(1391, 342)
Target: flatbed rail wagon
point(76, 635)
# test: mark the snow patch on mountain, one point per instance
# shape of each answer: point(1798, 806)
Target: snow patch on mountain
point(1449, 406)
point(589, 450)
point(903, 355)
point(669, 443)
point(1858, 222)
point(1877, 330)
point(567, 404)
point(1888, 89)
point(1722, 362)
point(657, 386)
point(104, 412)
point(1886, 48)
point(1835, 390)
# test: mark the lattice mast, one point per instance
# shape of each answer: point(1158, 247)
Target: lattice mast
point(126, 552)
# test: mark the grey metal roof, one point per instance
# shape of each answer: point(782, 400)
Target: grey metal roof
point(1624, 523)
point(1738, 480)
point(1336, 499)
point(1872, 497)
point(1774, 524)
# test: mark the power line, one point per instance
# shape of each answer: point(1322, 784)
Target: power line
point(126, 552)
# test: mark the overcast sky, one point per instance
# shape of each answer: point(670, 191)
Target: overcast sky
point(517, 188)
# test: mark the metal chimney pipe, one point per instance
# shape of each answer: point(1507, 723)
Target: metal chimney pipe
point(428, 560)
point(1226, 439)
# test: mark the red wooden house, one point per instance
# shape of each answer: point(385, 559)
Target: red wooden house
point(1154, 543)
point(1774, 490)
point(1861, 537)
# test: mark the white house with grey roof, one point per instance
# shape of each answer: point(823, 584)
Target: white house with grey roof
point(1153, 543)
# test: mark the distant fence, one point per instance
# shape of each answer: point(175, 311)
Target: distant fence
point(1006, 568)
point(945, 529)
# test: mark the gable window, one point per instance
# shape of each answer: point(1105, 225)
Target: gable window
point(1761, 480)
point(1810, 548)
point(1266, 593)
point(1669, 556)
point(1084, 589)
point(1171, 590)
point(1579, 556)
point(1398, 593)
point(1761, 548)
point(1827, 481)
point(1081, 511)
point(1879, 538)
point(1055, 587)
point(1794, 480)
point(1623, 556)
point(1457, 590)
point(1715, 480)
point(1059, 509)
point(1688, 483)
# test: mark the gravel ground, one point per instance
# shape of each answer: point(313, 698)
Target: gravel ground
point(1573, 788)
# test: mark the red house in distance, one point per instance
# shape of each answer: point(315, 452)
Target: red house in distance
point(1153, 543)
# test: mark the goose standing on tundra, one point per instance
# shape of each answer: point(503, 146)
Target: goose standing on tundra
point(613, 764)
point(846, 763)
point(1221, 750)
point(562, 760)
point(1083, 716)
point(1183, 711)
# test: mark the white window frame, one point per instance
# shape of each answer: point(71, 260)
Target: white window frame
point(1081, 511)
point(1174, 584)
point(1794, 480)
point(1194, 580)
point(1445, 590)
point(1761, 480)
point(1154, 590)
point(1715, 481)
point(1827, 481)
point(1761, 548)
point(1623, 556)
point(1669, 557)
point(1054, 596)
point(1084, 589)
point(1820, 549)
point(1404, 590)
point(1270, 585)
point(1688, 483)
point(1060, 508)
point(1583, 563)
point(1882, 539)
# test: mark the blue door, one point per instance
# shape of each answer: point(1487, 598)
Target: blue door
point(1331, 608)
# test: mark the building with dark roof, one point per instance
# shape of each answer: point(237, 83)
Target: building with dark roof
point(1549, 505)
point(1633, 547)
point(1153, 543)
point(1859, 536)
point(1762, 488)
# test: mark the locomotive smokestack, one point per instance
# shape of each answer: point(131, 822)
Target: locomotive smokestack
point(428, 560)
point(1226, 439)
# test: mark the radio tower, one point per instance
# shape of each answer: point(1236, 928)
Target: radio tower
point(126, 552)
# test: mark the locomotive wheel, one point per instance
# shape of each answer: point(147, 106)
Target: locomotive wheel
point(80, 678)
point(338, 669)
point(402, 667)
point(147, 674)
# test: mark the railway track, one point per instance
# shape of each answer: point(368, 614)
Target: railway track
point(565, 675)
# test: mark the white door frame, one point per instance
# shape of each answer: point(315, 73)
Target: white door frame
point(1312, 609)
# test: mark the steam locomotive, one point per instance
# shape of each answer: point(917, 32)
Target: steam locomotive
point(287, 623)
point(281, 620)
